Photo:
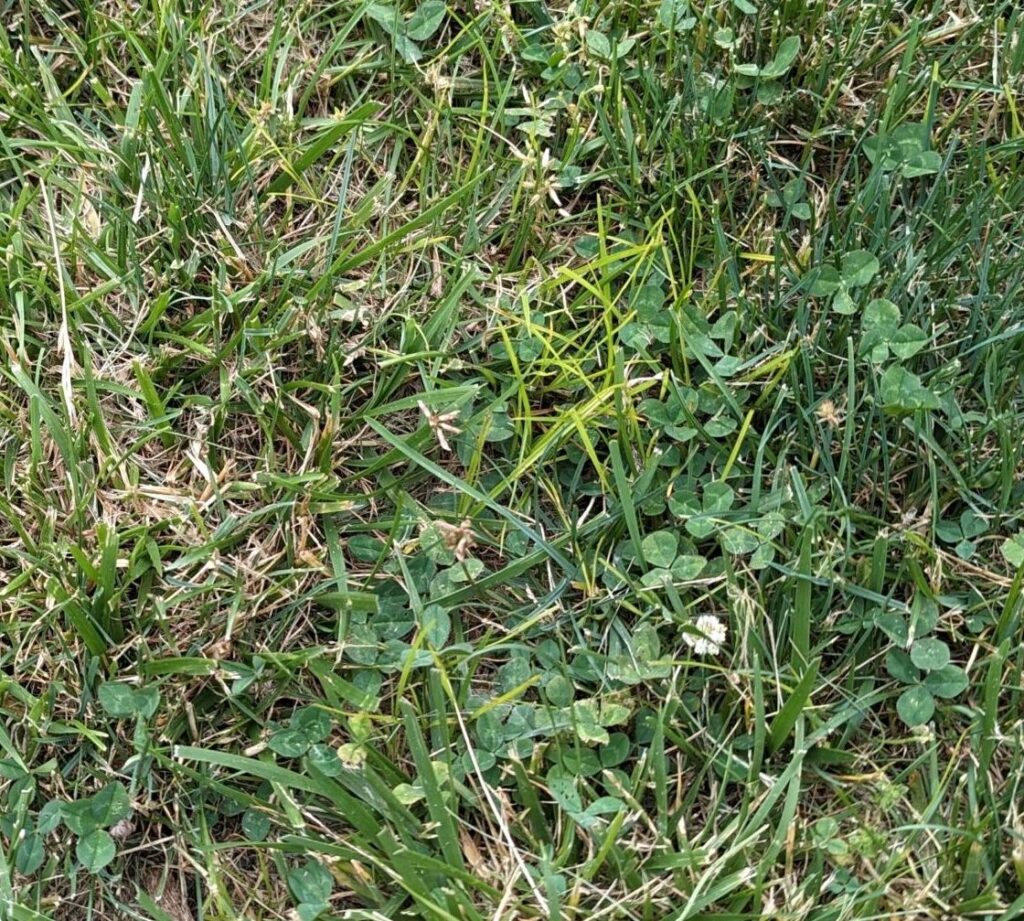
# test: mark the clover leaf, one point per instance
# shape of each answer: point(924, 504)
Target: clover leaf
point(792, 199)
point(929, 654)
point(660, 548)
point(423, 23)
point(426, 20)
point(903, 392)
point(948, 681)
point(675, 15)
point(95, 850)
point(122, 700)
point(718, 498)
point(1012, 550)
point(904, 149)
point(779, 66)
point(856, 269)
point(915, 705)
point(311, 884)
point(306, 727)
point(962, 532)
point(882, 332)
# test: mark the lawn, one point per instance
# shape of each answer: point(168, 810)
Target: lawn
point(511, 460)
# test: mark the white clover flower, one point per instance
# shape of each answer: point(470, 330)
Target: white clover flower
point(709, 638)
point(123, 829)
point(441, 424)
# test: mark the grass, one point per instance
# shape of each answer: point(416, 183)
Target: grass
point(397, 403)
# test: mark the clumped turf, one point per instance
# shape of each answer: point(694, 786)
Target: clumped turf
point(497, 461)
